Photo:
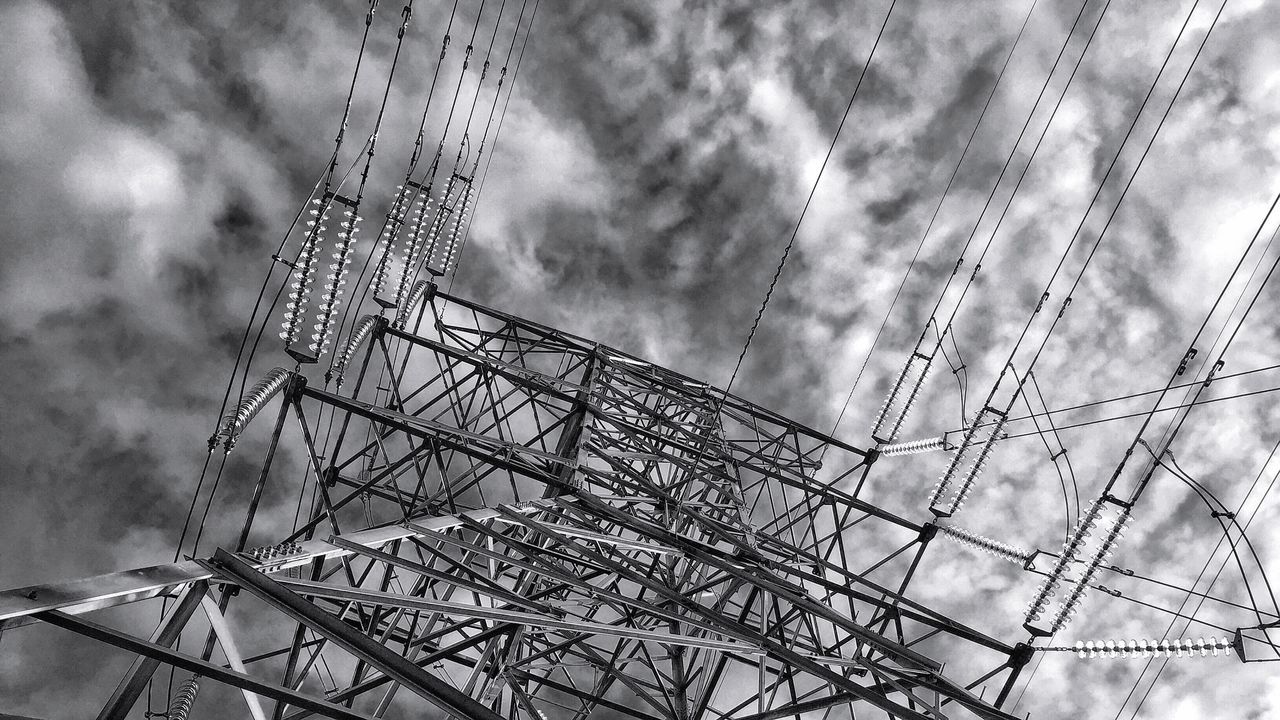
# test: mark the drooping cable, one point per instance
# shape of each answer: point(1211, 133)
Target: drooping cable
point(1213, 580)
point(1218, 510)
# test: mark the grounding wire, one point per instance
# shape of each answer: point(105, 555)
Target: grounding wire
point(1066, 456)
point(1066, 500)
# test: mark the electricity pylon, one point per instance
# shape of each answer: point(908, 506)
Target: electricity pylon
point(507, 520)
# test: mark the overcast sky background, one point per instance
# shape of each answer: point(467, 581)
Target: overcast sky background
point(652, 165)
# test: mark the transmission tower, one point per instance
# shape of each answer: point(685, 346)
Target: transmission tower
point(500, 519)
point(512, 521)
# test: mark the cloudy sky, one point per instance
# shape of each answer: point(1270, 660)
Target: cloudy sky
point(652, 165)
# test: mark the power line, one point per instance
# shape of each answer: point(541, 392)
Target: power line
point(1088, 210)
point(515, 73)
point(1182, 406)
point(937, 208)
point(1130, 396)
point(786, 251)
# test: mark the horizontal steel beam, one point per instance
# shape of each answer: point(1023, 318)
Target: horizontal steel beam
point(202, 668)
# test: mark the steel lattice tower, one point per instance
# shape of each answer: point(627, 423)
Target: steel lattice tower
point(512, 521)
point(499, 519)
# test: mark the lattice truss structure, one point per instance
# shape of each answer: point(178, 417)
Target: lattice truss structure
point(511, 521)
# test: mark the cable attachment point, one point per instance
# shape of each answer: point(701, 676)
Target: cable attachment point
point(1212, 373)
point(269, 553)
point(1040, 305)
point(1186, 359)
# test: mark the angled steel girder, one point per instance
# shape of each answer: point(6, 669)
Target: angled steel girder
point(135, 680)
point(394, 665)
